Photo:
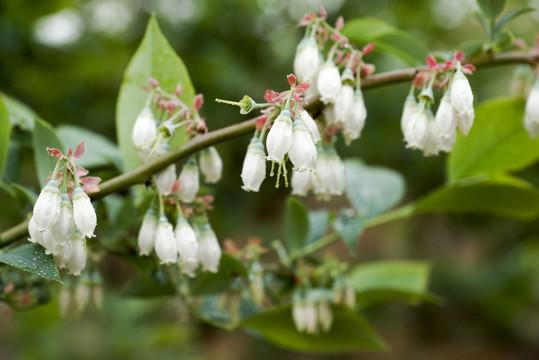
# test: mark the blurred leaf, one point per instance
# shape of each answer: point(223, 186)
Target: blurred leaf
point(387, 38)
point(318, 224)
point(99, 151)
point(472, 48)
point(510, 15)
point(24, 198)
point(32, 258)
point(372, 189)
point(384, 281)
point(154, 58)
point(5, 130)
point(349, 332)
point(491, 8)
point(497, 141)
point(210, 283)
point(19, 113)
point(45, 136)
point(500, 199)
point(296, 224)
point(504, 40)
point(349, 227)
point(485, 22)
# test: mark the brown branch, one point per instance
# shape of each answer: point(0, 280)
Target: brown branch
point(142, 173)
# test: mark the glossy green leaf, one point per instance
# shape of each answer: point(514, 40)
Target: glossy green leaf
point(349, 227)
point(296, 224)
point(45, 136)
point(5, 131)
point(372, 189)
point(210, 283)
point(349, 332)
point(318, 224)
point(32, 258)
point(19, 113)
point(510, 15)
point(501, 199)
point(497, 142)
point(491, 8)
point(99, 151)
point(154, 58)
point(387, 38)
point(384, 281)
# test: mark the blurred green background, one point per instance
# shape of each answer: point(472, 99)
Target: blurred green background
point(65, 59)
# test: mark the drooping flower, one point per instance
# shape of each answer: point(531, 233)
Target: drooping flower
point(189, 181)
point(307, 59)
point(77, 254)
point(144, 130)
point(82, 294)
point(531, 113)
point(36, 236)
point(279, 138)
point(253, 171)
point(330, 171)
point(303, 152)
point(302, 182)
point(408, 112)
point(356, 121)
point(329, 82)
point(209, 251)
point(256, 283)
point(325, 315)
point(64, 228)
point(445, 128)
point(344, 104)
point(417, 131)
point(165, 242)
point(147, 233)
point(47, 207)
point(187, 245)
point(310, 124)
point(84, 213)
point(165, 179)
point(329, 114)
point(462, 100)
point(211, 165)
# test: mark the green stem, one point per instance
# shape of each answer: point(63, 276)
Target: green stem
point(56, 169)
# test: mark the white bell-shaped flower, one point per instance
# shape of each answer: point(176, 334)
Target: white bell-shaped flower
point(531, 113)
point(337, 183)
point(329, 115)
point(147, 233)
point(186, 241)
point(307, 59)
point(344, 104)
point(165, 179)
point(430, 141)
point(329, 82)
point(417, 131)
point(298, 315)
point(144, 130)
point(77, 251)
point(64, 300)
point(355, 123)
point(445, 128)
point(253, 171)
point(47, 207)
point(209, 251)
point(36, 236)
point(303, 152)
point(211, 165)
point(189, 181)
point(302, 182)
point(325, 315)
point(311, 318)
point(462, 100)
point(279, 138)
point(323, 183)
point(82, 294)
point(410, 105)
point(64, 228)
point(310, 124)
point(84, 213)
point(165, 242)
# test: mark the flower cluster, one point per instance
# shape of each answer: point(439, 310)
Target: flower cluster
point(335, 78)
point(434, 133)
point(185, 244)
point(76, 298)
point(63, 215)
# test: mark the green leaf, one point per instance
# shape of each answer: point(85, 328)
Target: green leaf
point(491, 8)
point(154, 58)
point(502, 199)
point(497, 142)
point(372, 189)
point(318, 224)
point(510, 15)
point(472, 48)
point(349, 332)
point(387, 38)
point(383, 281)
point(5, 131)
point(45, 136)
point(211, 283)
point(504, 40)
point(19, 113)
point(296, 224)
point(32, 258)
point(349, 227)
point(484, 21)
point(99, 151)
